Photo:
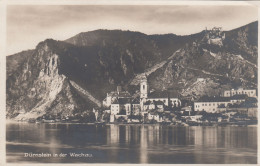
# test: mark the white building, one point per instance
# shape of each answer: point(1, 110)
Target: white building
point(121, 104)
point(214, 104)
point(115, 108)
point(150, 105)
point(210, 104)
point(240, 91)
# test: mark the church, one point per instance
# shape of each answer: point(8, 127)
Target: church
point(164, 97)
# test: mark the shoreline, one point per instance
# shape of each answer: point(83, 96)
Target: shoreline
point(140, 124)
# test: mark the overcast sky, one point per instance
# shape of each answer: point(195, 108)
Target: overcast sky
point(28, 25)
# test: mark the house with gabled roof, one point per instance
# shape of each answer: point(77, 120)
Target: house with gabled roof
point(115, 95)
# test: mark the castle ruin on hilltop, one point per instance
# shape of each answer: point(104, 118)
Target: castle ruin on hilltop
point(215, 36)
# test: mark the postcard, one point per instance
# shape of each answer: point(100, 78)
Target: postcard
point(131, 83)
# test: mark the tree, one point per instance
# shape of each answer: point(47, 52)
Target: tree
point(153, 121)
point(106, 117)
point(121, 119)
point(88, 117)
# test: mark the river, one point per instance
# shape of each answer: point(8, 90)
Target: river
point(83, 143)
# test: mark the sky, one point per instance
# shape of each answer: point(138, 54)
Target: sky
point(27, 25)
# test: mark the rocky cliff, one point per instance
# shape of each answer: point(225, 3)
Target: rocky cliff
point(38, 87)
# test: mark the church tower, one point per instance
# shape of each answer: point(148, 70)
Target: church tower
point(144, 88)
point(143, 91)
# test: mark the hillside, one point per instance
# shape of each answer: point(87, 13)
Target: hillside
point(222, 67)
point(65, 77)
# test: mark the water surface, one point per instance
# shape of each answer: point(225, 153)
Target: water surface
point(131, 143)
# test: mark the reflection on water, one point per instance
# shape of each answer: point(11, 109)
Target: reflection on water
point(132, 143)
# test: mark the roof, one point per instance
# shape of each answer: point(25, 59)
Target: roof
point(147, 103)
point(192, 113)
point(158, 102)
point(122, 101)
point(136, 101)
point(236, 89)
point(163, 94)
point(153, 113)
point(251, 100)
point(239, 97)
point(120, 94)
point(214, 99)
point(154, 102)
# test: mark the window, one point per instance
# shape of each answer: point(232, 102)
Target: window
point(205, 104)
point(213, 104)
point(209, 104)
point(143, 86)
point(202, 104)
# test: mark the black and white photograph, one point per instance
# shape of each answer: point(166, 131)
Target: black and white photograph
point(131, 84)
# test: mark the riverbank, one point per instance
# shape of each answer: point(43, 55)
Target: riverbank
point(239, 123)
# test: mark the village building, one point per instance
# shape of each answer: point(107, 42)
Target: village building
point(239, 91)
point(136, 109)
point(115, 108)
point(112, 96)
point(192, 118)
point(210, 104)
point(252, 112)
point(121, 105)
point(186, 109)
point(238, 98)
point(152, 115)
point(238, 103)
point(149, 105)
